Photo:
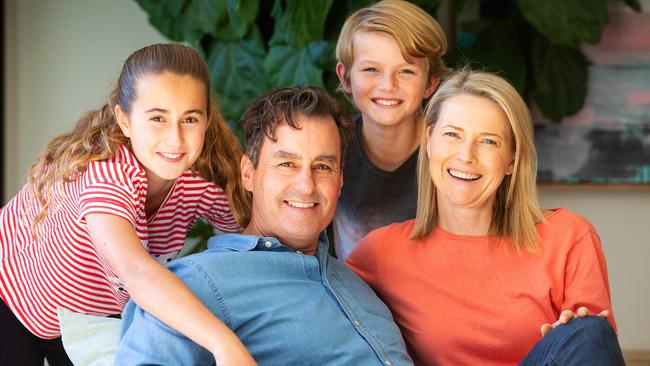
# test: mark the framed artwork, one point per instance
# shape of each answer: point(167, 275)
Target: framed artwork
point(608, 141)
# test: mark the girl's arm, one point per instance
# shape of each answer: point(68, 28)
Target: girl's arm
point(159, 292)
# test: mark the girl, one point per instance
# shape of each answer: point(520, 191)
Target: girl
point(111, 202)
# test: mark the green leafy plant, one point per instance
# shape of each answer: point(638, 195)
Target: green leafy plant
point(253, 45)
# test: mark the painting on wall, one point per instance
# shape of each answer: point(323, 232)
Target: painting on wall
point(608, 141)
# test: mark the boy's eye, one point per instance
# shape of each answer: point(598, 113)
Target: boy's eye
point(408, 71)
point(369, 69)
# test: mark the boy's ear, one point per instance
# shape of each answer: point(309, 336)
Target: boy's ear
point(433, 85)
point(122, 120)
point(247, 170)
point(340, 72)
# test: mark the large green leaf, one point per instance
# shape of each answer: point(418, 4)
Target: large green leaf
point(237, 73)
point(288, 66)
point(299, 22)
point(560, 78)
point(242, 14)
point(493, 53)
point(567, 22)
point(169, 18)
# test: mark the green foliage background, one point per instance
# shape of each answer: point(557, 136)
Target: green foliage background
point(253, 45)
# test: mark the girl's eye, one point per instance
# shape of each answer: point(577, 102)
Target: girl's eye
point(191, 120)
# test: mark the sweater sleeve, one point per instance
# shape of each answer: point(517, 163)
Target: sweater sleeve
point(586, 282)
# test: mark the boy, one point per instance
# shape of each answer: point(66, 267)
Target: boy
point(389, 62)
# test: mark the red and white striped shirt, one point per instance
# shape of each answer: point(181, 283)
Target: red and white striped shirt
point(60, 267)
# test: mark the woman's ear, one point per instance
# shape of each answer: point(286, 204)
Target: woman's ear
point(122, 120)
point(428, 137)
point(340, 72)
point(247, 171)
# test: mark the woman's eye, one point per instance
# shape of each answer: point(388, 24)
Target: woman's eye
point(489, 142)
point(157, 119)
point(451, 134)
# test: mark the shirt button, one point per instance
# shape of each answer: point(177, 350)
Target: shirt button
point(388, 363)
point(357, 323)
point(268, 244)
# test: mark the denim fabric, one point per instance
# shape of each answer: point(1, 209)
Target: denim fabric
point(583, 341)
point(286, 307)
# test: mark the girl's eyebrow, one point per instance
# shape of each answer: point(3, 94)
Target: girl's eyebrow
point(162, 110)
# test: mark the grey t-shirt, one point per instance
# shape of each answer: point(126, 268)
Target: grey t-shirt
point(371, 197)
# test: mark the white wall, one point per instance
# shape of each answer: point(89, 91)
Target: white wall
point(63, 56)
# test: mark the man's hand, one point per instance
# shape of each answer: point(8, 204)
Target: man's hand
point(567, 315)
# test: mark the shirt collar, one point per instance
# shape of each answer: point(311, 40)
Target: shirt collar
point(246, 243)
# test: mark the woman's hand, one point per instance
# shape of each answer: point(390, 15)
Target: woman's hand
point(567, 315)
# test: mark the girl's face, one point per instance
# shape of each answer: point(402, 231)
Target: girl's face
point(471, 150)
point(166, 125)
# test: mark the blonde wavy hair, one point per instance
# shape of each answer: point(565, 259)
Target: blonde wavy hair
point(516, 207)
point(416, 32)
point(97, 136)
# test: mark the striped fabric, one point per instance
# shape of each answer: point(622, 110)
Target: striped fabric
point(60, 266)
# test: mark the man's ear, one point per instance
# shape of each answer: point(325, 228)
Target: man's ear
point(433, 85)
point(340, 72)
point(122, 120)
point(247, 171)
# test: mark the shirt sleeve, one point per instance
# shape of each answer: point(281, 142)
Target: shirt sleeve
point(220, 214)
point(108, 189)
point(145, 340)
point(364, 258)
point(586, 280)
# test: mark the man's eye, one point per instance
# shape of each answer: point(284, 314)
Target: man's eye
point(287, 164)
point(323, 167)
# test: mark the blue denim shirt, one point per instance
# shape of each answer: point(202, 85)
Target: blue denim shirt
point(286, 307)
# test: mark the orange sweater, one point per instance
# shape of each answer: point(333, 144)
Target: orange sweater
point(462, 300)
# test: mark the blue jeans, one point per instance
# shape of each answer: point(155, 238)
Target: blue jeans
point(583, 341)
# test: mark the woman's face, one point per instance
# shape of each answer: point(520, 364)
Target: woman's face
point(166, 125)
point(471, 150)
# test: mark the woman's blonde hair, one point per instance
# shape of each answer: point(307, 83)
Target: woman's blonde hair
point(97, 136)
point(516, 208)
point(416, 32)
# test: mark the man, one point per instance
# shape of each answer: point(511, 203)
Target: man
point(274, 284)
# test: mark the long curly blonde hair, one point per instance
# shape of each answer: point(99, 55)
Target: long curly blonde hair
point(97, 135)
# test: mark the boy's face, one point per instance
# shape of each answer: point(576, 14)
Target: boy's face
point(387, 89)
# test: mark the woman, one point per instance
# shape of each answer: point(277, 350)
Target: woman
point(108, 204)
point(472, 278)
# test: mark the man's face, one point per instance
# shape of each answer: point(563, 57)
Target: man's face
point(296, 183)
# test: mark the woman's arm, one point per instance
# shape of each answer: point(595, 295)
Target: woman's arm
point(150, 285)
